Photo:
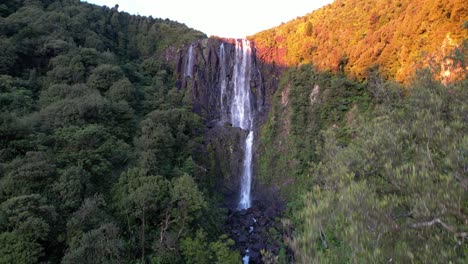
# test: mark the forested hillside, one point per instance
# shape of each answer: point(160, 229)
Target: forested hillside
point(366, 138)
point(351, 36)
point(371, 173)
point(96, 143)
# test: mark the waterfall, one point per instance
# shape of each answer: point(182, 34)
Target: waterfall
point(223, 78)
point(245, 259)
point(246, 180)
point(189, 64)
point(241, 113)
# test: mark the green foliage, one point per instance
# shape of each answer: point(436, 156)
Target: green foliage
point(168, 138)
point(372, 171)
point(306, 102)
point(199, 250)
point(102, 245)
point(91, 147)
point(104, 76)
point(58, 92)
point(14, 97)
point(123, 90)
point(76, 82)
point(26, 224)
point(90, 216)
point(155, 203)
point(13, 136)
point(195, 250)
point(71, 188)
point(90, 108)
point(139, 194)
point(26, 175)
point(16, 249)
point(395, 191)
point(27, 215)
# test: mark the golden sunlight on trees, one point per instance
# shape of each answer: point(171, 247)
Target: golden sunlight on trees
point(394, 35)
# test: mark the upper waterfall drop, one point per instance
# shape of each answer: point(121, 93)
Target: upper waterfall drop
point(189, 64)
point(241, 107)
point(224, 82)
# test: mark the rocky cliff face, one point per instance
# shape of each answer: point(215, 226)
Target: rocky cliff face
point(206, 69)
point(200, 71)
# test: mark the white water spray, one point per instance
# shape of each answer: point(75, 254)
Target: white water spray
point(241, 114)
point(189, 65)
point(246, 180)
point(245, 259)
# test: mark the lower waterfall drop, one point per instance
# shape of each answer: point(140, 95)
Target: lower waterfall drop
point(246, 180)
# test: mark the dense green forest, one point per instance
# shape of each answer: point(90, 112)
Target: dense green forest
point(96, 143)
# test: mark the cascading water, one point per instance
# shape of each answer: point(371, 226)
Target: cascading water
point(246, 180)
point(226, 86)
point(189, 64)
point(241, 113)
point(223, 78)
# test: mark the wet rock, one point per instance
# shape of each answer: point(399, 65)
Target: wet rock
point(270, 212)
point(255, 257)
point(242, 238)
point(249, 229)
point(263, 222)
point(226, 148)
point(257, 247)
point(259, 230)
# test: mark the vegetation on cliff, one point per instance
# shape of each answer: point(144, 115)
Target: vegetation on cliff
point(373, 170)
point(366, 135)
point(384, 181)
